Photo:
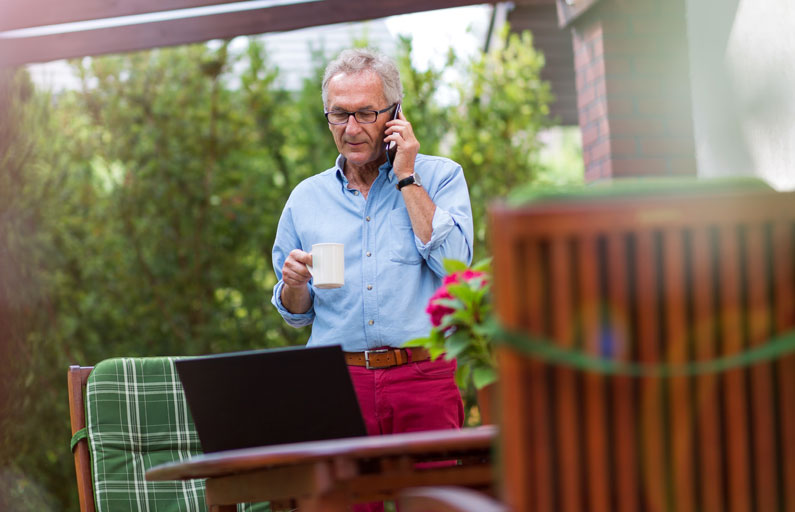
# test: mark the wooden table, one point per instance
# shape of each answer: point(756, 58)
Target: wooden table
point(330, 475)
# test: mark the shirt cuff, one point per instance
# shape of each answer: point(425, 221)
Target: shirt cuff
point(293, 319)
point(441, 226)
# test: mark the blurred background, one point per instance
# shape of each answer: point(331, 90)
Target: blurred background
point(140, 191)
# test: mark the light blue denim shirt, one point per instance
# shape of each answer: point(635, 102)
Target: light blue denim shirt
point(389, 273)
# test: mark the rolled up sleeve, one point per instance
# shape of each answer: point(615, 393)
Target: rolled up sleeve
point(453, 232)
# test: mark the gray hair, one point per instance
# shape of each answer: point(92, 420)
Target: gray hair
point(357, 60)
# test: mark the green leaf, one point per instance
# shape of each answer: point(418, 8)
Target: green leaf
point(418, 342)
point(483, 265)
point(482, 376)
point(451, 266)
point(462, 291)
point(449, 303)
point(462, 373)
point(457, 343)
point(435, 352)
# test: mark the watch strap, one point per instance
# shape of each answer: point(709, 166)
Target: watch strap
point(405, 181)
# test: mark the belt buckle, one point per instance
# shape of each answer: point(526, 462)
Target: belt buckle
point(367, 356)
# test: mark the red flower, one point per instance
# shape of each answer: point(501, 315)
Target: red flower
point(439, 311)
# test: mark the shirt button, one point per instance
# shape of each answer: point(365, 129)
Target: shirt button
point(356, 192)
point(371, 322)
point(367, 218)
point(368, 254)
point(369, 287)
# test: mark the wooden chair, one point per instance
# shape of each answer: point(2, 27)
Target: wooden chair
point(127, 415)
point(77, 377)
point(658, 278)
point(648, 278)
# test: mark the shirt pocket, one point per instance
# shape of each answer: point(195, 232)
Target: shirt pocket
point(402, 248)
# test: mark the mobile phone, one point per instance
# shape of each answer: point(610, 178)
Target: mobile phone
point(391, 145)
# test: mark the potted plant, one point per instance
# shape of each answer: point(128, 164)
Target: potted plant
point(463, 326)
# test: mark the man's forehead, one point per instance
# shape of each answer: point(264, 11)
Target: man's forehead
point(358, 90)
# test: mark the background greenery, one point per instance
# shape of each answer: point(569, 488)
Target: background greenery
point(137, 214)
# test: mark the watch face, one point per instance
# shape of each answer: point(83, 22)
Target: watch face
point(417, 179)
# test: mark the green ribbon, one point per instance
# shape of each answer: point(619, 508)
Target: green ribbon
point(79, 436)
point(551, 352)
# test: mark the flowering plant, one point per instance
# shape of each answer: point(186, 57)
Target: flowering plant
point(462, 323)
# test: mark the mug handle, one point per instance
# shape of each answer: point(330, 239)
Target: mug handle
point(309, 268)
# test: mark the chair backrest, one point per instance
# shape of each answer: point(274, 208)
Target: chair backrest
point(651, 279)
point(136, 417)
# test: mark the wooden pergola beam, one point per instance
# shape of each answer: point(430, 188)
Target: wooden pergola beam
point(22, 50)
point(16, 14)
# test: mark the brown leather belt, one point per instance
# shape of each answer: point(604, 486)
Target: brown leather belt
point(386, 357)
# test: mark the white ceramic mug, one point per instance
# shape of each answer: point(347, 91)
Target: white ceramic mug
point(328, 265)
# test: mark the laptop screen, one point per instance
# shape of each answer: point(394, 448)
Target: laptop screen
point(274, 396)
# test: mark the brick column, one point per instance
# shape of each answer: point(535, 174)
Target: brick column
point(633, 89)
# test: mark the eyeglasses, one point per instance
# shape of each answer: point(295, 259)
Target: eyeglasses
point(361, 116)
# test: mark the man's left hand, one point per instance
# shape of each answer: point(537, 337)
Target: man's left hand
point(401, 133)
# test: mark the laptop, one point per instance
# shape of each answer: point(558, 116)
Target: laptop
point(268, 397)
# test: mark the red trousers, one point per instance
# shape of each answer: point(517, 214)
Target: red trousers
point(407, 398)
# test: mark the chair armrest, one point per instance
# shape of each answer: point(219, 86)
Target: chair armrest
point(447, 499)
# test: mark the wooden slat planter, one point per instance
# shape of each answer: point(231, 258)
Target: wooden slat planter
point(654, 279)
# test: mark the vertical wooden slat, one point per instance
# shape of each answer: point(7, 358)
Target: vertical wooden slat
point(784, 295)
point(677, 354)
point(568, 418)
point(625, 426)
point(653, 476)
point(538, 385)
point(762, 407)
point(517, 471)
point(707, 406)
point(735, 393)
point(595, 420)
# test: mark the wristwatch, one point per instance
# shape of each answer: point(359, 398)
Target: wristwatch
point(414, 178)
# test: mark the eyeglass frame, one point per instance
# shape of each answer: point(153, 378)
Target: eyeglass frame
point(349, 114)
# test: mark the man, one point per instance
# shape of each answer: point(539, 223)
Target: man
point(399, 215)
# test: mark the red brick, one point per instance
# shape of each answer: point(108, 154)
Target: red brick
point(591, 32)
point(585, 96)
point(623, 147)
point(595, 71)
point(604, 127)
point(590, 135)
point(600, 150)
point(579, 79)
point(598, 47)
point(631, 127)
point(593, 173)
point(596, 111)
point(667, 146)
point(639, 167)
point(601, 88)
point(582, 58)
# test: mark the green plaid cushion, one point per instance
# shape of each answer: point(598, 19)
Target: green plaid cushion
point(136, 418)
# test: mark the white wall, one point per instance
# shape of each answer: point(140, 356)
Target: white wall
point(743, 74)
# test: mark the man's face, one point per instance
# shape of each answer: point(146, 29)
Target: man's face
point(360, 144)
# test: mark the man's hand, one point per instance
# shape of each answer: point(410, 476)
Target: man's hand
point(295, 295)
point(400, 131)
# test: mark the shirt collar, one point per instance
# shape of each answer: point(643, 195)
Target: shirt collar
point(340, 167)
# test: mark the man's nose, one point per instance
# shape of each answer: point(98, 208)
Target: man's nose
point(353, 125)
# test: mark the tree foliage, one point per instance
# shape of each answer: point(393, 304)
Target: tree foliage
point(138, 213)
